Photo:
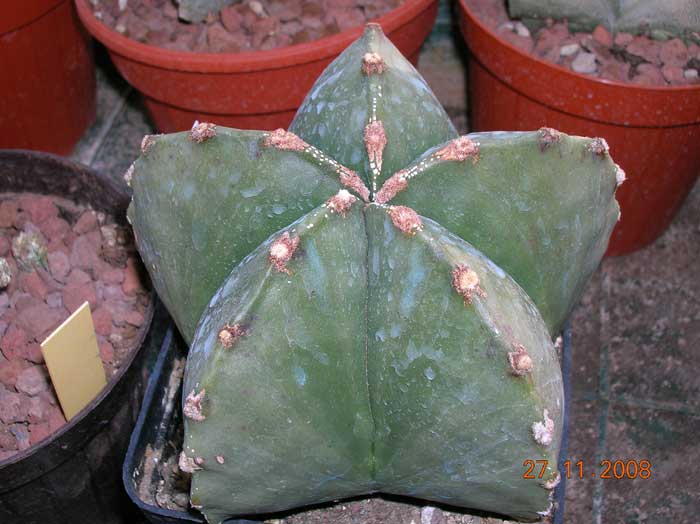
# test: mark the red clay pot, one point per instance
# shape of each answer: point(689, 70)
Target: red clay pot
point(653, 132)
point(47, 92)
point(249, 90)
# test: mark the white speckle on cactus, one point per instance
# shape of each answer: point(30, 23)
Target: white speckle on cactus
point(543, 432)
point(220, 459)
point(193, 406)
point(299, 375)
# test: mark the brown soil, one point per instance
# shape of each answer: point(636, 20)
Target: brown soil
point(621, 57)
point(59, 255)
point(246, 26)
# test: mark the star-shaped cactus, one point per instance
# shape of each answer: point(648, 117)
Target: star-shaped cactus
point(370, 298)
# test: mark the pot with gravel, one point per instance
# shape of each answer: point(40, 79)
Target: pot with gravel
point(246, 66)
point(64, 241)
point(629, 76)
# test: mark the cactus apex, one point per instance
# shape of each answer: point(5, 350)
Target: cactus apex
point(548, 136)
point(543, 432)
point(341, 202)
point(598, 146)
point(187, 464)
point(282, 250)
point(229, 334)
point(459, 150)
point(373, 64)
point(520, 361)
point(553, 482)
point(193, 406)
point(351, 180)
point(374, 137)
point(147, 141)
point(466, 282)
point(405, 219)
point(393, 185)
point(285, 140)
point(220, 459)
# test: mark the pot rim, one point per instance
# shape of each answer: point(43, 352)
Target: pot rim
point(593, 81)
point(246, 61)
point(126, 364)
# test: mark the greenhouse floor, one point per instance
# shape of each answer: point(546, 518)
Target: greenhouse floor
point(636, 344)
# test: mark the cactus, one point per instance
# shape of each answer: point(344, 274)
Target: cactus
point(677, 17)
point(197, 10)
point(369, 298)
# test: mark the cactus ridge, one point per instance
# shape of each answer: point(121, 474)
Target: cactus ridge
point(365, 317)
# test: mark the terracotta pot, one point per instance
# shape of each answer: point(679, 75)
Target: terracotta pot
point(47, 93)
point(653, 132)
point(249, 90)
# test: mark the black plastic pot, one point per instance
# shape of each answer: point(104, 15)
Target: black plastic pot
point(72, 476)
point(159, 432)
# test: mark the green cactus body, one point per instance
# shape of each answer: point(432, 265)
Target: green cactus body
point(391, 331)
point(197, 10)
point(678, 17)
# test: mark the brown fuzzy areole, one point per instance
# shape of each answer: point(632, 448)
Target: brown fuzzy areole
point(547, 137)
point(373, 64)
point(405, 219)
point(193, 406)
point(375, 141)
point(553, 482)
point(281, 252)
point(201, 132)
point(129, 175)
point(465, 281)
point(598, 146)
point(146, 142)
point(341, 202)
point(393, 185)
point(187, 464)
point(543, 432)
point(519, 360)
point(285, 140)
point(229, 334)
point(351, 180)
point(459, 149)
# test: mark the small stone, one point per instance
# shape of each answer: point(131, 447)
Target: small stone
point(623, 39)
point(102, 320)
point(10, 407)
point(59, 265)
point(648, 75)
point(231, 19)
point(54, 300)
point(39, 320)
point(32, 381)
point(55, 228)
point(112, 276)
point(74, 294)
point(690, 74)
point(584, 63)
point(78, 276)
point(38, 432)
point(4, 246)
point(86, 223)
point(38, 409)
point(9, 371)
point(14, 341)
point(602, 36)
point(673, 74)
point(40, 208)
point(8, 212)
point(521, 29)
point(33, 284)
point(569, 49)
point(106, 352)
point(83, 253)
point(22, 435)
point(32, 353)
point(645, 48)
point(673, 53)
point(132, 279)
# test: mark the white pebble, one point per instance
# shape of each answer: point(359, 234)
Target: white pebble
point(584, 63)
point(569, 49)
point(690, 74)
point(521, 30)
